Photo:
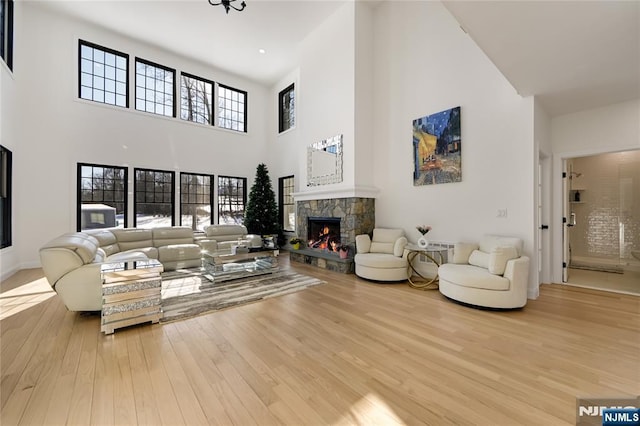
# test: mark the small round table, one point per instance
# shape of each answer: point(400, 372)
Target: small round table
point(431, 251)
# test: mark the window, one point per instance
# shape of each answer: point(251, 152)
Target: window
point(153, 196)
point(232, 108)
point(196, 99)
point(102, 196)
point(286, 203)
point(196, 200)
point(286, 109)
point(5, 196)
point(154, 88)
point(6, 32)
point(231, 199)
point(103, 75)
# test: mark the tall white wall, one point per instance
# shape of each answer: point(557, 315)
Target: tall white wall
point(608, 129)
point(9, 139)
point(424, 64)
point(57, 130)
point(364, 95)
point(327, 95)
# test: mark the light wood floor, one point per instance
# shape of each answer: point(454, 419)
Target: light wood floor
point(347, 352)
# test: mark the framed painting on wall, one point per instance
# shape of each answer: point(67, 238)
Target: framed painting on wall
point(437, 148)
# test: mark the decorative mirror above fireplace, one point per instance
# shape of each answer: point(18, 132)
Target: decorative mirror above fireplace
point(324, 162)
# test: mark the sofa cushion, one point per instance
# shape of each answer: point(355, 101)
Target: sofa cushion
point(174, 252)
point(106, 239)
point(499, 257)
point(380, 260)
point(149, 252)
point(479, 258)
point(225, 232)
point(462, 251)
point(472, 276)
point(489, 242)
point(133, 238)
point(383, 240)
point(377, 247)
point(172, 235)
point(125, 256)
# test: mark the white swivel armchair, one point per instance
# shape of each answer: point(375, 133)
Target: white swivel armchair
point(381, 258)
point(492, 274)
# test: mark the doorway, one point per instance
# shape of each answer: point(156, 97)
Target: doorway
point(601, 241)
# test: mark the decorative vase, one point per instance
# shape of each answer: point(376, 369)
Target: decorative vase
point(422, 242)
point(296, 246)
point(343, 254)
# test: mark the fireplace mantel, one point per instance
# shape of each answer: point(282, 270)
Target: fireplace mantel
point(332, 193)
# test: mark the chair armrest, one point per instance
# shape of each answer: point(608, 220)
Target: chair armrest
point(398, 247)
point(517, 271)
point(363, 243)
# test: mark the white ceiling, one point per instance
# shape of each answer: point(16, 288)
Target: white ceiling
point(195, 29)
point(573, 55)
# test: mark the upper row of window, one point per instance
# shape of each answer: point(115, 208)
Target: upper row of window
point(104, 78)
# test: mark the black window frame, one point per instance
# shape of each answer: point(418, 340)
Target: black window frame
point(173, 90)
point(136, 192)
point(79, 188)
point(244, 194)
point(6, 39)
point(286, 124)
point(284, 198)
point(211, 105)
point(211, 192)
point(220, 110)
point(80, 72)
point(6, 191)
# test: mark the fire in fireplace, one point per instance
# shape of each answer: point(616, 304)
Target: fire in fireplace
point(323, 233)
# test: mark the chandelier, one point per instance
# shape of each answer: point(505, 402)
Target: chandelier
point(228, 5)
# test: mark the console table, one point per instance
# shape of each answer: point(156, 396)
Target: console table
point(422, 282)
point(131, 293)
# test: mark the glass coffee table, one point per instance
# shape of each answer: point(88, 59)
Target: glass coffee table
point(226, 265)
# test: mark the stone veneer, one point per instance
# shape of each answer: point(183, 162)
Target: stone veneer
point(357, 216)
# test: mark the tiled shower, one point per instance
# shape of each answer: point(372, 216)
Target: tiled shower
point(604, 196)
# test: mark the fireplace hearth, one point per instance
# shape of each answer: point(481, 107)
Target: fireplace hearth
point(323, 233)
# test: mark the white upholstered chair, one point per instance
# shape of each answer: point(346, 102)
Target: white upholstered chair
point(381, 258)
point(492, 274)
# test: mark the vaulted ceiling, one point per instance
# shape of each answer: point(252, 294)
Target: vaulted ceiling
point(573, 55)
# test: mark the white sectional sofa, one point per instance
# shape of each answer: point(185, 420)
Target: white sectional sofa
point(71, 262)
point(492, 274)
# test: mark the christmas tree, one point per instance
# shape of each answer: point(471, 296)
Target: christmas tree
point(261, 214)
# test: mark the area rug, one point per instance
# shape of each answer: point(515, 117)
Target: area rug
point(190, 293)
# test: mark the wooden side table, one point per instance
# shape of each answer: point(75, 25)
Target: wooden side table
point(131, 294)
point(430, 252)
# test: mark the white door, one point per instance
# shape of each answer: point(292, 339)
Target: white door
point(566, 225)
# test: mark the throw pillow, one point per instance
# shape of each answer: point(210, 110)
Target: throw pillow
point(499, 257)
point(479, 258)
point(462, 251)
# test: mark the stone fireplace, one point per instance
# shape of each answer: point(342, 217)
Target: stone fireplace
point(348, 217)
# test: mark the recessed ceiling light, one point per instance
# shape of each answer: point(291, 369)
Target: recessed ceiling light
point(262, 51)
